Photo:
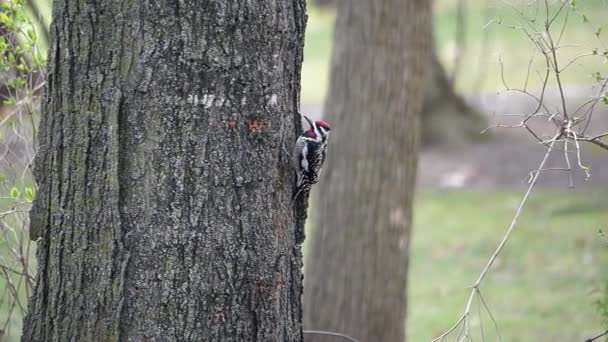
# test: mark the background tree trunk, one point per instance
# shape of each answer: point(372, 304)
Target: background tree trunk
point(324, 3)
point(164, 204)
point(356, 275)
point(446, 116)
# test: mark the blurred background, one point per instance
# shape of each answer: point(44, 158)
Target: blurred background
point(551, 282)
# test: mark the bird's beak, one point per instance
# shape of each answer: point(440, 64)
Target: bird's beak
point(309, 121)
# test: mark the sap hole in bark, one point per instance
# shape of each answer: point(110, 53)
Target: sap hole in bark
point(256, 125)
point(231, 123)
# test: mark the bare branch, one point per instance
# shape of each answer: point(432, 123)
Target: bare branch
point(465, 316)
point(556, 72)
point(597, 337)
point(485, 305)
point(576, 59)
point(567, 157)
point(595, 141)
point(589, 114)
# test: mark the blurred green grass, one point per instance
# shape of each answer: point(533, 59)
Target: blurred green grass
point(541, 287)
point(480, 67)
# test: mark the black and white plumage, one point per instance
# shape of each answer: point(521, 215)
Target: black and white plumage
point(309, 155)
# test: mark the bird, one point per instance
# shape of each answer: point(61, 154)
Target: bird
point(309, 155)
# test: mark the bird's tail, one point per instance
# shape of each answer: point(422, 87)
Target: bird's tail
point(300, 205)
point(303, 188)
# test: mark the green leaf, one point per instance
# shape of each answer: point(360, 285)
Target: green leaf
point(20, 82)
point(5, 19)
point(15, 193)
point(31, 34)
point(598, 32)
point(29, 194)
point(585, 19)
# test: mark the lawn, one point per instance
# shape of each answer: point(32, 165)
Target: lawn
point(487, 37)
point(543, 285)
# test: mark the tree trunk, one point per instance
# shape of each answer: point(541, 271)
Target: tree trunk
point(356, 275)
point(324, 3)
point(164, 203)
point(446, 117)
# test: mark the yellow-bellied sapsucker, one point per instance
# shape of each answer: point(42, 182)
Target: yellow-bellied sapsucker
point(309, 155)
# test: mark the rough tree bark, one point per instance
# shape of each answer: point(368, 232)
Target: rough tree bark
point(163, 211)
point(356, 275)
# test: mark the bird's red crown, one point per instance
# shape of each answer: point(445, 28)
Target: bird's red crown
point(323, 124)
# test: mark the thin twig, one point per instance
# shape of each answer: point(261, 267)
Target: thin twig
point(598, 143)
point(597, 337)
point(12, 270)
point(329, 333)
point(530, 176)
point(465, 316)
point(556, 72)
point(589, 114)
point(485, 305)
point(479, 313)
point(567, 157)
